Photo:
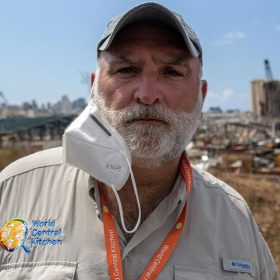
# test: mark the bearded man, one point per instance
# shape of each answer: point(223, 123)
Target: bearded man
point(125, 203)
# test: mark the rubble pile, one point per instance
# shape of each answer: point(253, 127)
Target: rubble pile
point(237, 142)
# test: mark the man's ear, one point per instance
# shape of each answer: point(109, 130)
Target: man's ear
point(204, 88)
point(92, 77)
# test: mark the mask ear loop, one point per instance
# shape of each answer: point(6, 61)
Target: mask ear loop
point(137, 199)
point(93, 89)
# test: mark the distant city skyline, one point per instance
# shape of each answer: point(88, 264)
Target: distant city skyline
point(32, 109)
point(46, 47)
point(80, 102)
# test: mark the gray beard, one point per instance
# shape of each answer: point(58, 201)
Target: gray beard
point(152, 144)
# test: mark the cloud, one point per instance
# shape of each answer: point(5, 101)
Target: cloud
point(224, 96)
point(234, 35)
point(230, 38)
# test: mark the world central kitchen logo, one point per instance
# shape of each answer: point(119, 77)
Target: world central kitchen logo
point(15, 234)
point(45, 232)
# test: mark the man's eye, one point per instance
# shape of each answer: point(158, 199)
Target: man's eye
point(127, 70)
point(172, 72)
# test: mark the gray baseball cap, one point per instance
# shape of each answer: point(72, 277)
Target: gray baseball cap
point(152, 12)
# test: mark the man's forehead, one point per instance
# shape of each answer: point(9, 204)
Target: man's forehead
point(170, 58)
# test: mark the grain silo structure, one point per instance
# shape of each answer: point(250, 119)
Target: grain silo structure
point(266, 98)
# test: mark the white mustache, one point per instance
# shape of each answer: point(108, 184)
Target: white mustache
point(141, 111)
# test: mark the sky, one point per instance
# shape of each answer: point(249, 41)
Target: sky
point(47, 46)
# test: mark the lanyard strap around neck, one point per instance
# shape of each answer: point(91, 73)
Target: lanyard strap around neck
point(166, 248)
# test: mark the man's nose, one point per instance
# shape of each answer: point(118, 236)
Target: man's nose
point(148, 91)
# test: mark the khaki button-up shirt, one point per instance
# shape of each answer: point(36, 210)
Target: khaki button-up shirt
point(57, 207)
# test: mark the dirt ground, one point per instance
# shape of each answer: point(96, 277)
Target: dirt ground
point(263, 196)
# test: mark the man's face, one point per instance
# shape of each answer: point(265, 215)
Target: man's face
point(149, 89)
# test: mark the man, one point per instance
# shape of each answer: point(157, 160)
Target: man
point(72, 226)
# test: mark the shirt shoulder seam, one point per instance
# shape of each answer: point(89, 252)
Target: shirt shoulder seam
point(219, 185)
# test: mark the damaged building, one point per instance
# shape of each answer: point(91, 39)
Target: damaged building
point(266, 98)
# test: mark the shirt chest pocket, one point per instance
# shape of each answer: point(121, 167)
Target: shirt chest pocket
point(38, 271)
point(183, 273)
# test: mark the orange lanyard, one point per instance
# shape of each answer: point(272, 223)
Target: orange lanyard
point(166, 248)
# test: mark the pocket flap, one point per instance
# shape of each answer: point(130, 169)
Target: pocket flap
point(38, 271)
point(238, 265)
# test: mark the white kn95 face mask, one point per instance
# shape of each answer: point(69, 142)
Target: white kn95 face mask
point(90, 143)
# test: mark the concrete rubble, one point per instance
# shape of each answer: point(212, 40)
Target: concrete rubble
point(237, 142)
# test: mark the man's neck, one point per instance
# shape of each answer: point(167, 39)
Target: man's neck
point(153, 185)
